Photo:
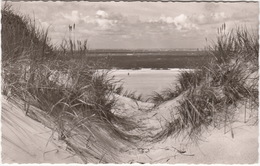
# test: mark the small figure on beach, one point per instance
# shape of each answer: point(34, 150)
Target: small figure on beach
point(128, 74)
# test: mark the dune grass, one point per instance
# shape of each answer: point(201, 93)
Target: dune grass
point(186, 80)
point(76, 96)
point(210, 92)
point(129, 94)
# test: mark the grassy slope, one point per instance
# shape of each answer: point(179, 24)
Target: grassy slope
point(212, 93)
point(79, 106)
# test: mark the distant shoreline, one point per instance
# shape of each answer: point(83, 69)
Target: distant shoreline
point(152, 69)
point(146, 70)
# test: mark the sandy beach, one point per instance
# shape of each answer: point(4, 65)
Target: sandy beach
point(146, 81)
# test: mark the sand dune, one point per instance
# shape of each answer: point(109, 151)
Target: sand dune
point(27, 141)
point(215, 146)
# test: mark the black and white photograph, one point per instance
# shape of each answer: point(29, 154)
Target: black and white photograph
point(129, 82)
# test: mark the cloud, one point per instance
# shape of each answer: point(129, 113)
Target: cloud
point(75, 17)
point(105, 24)
point(101, 14)
point(100, 20)
point(210, 18)
point(201, 18)
point(246, 16)
point(168, 20)
point(182, 22)
point(103, 20)
point(219, 16)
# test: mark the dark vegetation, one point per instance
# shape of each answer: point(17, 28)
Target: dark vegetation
point(212, 93)
point(72, 94)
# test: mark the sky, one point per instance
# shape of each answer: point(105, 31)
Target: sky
point(140, 25)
